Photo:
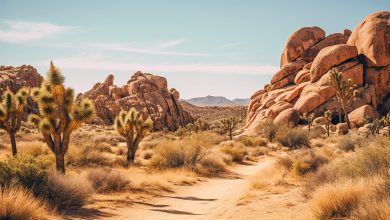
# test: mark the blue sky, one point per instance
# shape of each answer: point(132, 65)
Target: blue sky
point(203, 47)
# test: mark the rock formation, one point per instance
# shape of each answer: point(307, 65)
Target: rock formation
point(14, 78)
point(302, 84)
point(148, 93)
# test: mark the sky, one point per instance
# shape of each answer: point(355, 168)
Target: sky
point(225, 48)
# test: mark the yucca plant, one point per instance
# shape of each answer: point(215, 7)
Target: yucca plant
point(345, 92)
point(374, 125)
point(308, 118)
point(132, 126)
point(11, 113)
point(60, 114)
point(328, 118)
point(386, 123)
point(229, 124)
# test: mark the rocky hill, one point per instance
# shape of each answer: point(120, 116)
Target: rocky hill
point(148, 93)
point(302, 84)
point(216, 101)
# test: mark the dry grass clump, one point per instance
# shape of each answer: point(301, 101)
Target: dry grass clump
point(103, 147)
point(354, 187)
point(211, 165)
point(17, 202)
point(173, 154)
point(293, 138)
point(347, 143)
point(105, 180)
point(35, 148)
point(269, 130)
point(252, 141)
point(67, 191)
point(339, 199)
point(235, 149)
point(87, 157)
point(304, 162)
point(259, 151)
point(372, 210)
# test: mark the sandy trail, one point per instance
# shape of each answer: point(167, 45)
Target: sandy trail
point(207, 200)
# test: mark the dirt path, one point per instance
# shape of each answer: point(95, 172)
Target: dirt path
point(213, 199)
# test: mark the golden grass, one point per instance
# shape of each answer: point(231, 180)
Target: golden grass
point(267, 178)
point(211, 164)
point(35, 148)
point(106, 180)
point(18, 203)
point(339, 199)
point(235, 149)
point(372, 210)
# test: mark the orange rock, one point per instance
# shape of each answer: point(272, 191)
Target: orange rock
point(295, 92)
point(302, 76)
point(357, 116)
point(313, 96)
point(372, 39)
point(287, 70)
point(278, 107)
point(330, 57)
point(299, 42)
point(333, 39)
point(288, 117)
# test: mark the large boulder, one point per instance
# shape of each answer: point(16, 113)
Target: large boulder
point(312, 96)
point(330, 57)
point(299, 42)
point(147, 93)
point(333, 39)
point(287, 70)
point(357, 116)
point(372, 39)
point(288, 117)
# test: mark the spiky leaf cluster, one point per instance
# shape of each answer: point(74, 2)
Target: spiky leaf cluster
point(11, 109)
point(57, 107)
point(229, 124)
point(131, 124)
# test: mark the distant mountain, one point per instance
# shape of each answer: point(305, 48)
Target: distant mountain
point(217, 101)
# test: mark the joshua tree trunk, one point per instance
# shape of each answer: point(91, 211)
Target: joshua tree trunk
point(230, 134)
point(60, 163)
point(13, 143)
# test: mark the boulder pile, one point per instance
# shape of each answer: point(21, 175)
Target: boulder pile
point(302, 85)
point(147, 93)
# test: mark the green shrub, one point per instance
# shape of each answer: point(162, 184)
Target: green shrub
point(27, 170)
point(293, 138)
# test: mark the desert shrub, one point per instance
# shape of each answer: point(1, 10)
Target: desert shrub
point(103, 147)
point(29, 171)
point(285, 162)
point(67, 192)
point(87, 157)
point(173, 154)
point(293, 138)
point(339, 199)
point(17, 202)
point(269, 130)
point(347, 143)
point(252, 141)
point(372, 210)
point(35, 148)
point(260, 151)
point(210, 165)
point(307, 161)
point(105, 180)
point(234, 149)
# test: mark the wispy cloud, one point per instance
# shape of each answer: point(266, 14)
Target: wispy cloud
point(102, 63)
point(170, 43)
point(132, 49)
point(24, 31)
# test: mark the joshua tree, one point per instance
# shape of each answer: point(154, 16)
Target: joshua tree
point(328, 118)
point(131, 125)
point(386, 122)
point(269, 129)
point(11, 112)
point(308, 118)
point(345, 92)
point(229, 124)
point(59, 115)
point(374, 125)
